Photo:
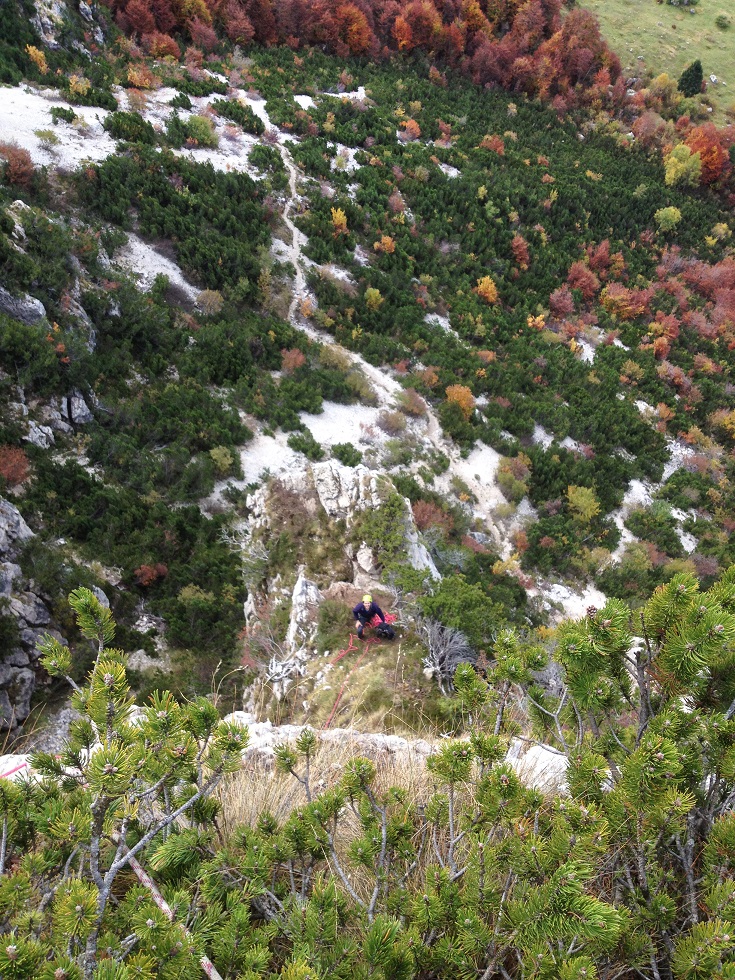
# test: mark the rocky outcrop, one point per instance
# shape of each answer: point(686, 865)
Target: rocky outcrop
point(39, 435)
point(344, 491)
point(32, 620)
point(341, 493)
point(24, 308)
point(537, 766)
point(304, 609)
point(416, 551)
point(264, 736)
point(49, 17)
point(13, 529)
point(338, 491)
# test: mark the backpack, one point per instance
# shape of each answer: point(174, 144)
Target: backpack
point(385, 631)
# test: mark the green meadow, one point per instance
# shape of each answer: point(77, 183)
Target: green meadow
point(647, 34)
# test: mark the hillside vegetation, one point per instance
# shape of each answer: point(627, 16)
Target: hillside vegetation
point(302, 300)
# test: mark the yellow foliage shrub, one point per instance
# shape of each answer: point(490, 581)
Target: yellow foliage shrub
point(462, 396)
point(487, 290)
point(38, 58)
point(339, 221)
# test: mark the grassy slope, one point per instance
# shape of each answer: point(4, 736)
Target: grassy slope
point(670, 38)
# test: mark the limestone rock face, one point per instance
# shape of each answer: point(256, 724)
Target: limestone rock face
point(344, 491)
point(304, 609)
point(418, 555)
point(40, 435)
point(13, 529)
point(32, 619)
point(24, 308)
point(337, 490)
point(74, 409)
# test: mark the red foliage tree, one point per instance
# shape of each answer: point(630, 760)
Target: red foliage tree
point(427, 514)
point(706, 140)
point(648, 129)
point(519, 247)
point(263, 20)
point(14, 465)
point(582, 278)
point(140, 18)
point(237, 24)
point(146, 575)
point(166, 19)
point(492, 61)
point(291, 360)
point(18, 164)
point(202, 34)
point(561, 302)
point(599, 256)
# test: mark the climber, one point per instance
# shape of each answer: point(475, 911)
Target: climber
point(364, 612)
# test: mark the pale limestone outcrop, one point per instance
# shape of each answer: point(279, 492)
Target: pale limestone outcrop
point(31, 616)
point(537, 766)
point(26, 308)
point(305, 602)
point(344, 491)
point(13, 529)
point(39, 435)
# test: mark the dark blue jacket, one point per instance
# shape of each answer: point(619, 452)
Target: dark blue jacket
point(367, 613)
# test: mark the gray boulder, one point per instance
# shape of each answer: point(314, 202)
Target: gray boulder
point(13, 529)
point(24, 308)
point(39, 435)
point(8, 574)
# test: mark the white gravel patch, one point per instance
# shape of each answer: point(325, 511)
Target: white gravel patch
point(24, 110)
point(449, 170)
point(573, 602)
point(437, 320)
point(146, 263)
point(541, 437)
point(345, 161)
point(270, 453)
point(341, 423)
point(679, 454)
point(571, 444)
point(359, 95)
point(304, 101)
point(587, 351)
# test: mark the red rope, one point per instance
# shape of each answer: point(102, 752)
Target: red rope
point(343, 653)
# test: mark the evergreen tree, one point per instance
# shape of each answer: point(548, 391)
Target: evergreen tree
point(690, 82)
point(118, 786)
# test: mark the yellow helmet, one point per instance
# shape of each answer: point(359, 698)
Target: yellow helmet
point(367, 599)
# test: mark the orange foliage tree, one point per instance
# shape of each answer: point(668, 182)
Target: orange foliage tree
point(706, 140)
point(411, 129)
point(462, 396)
point(352, 30)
